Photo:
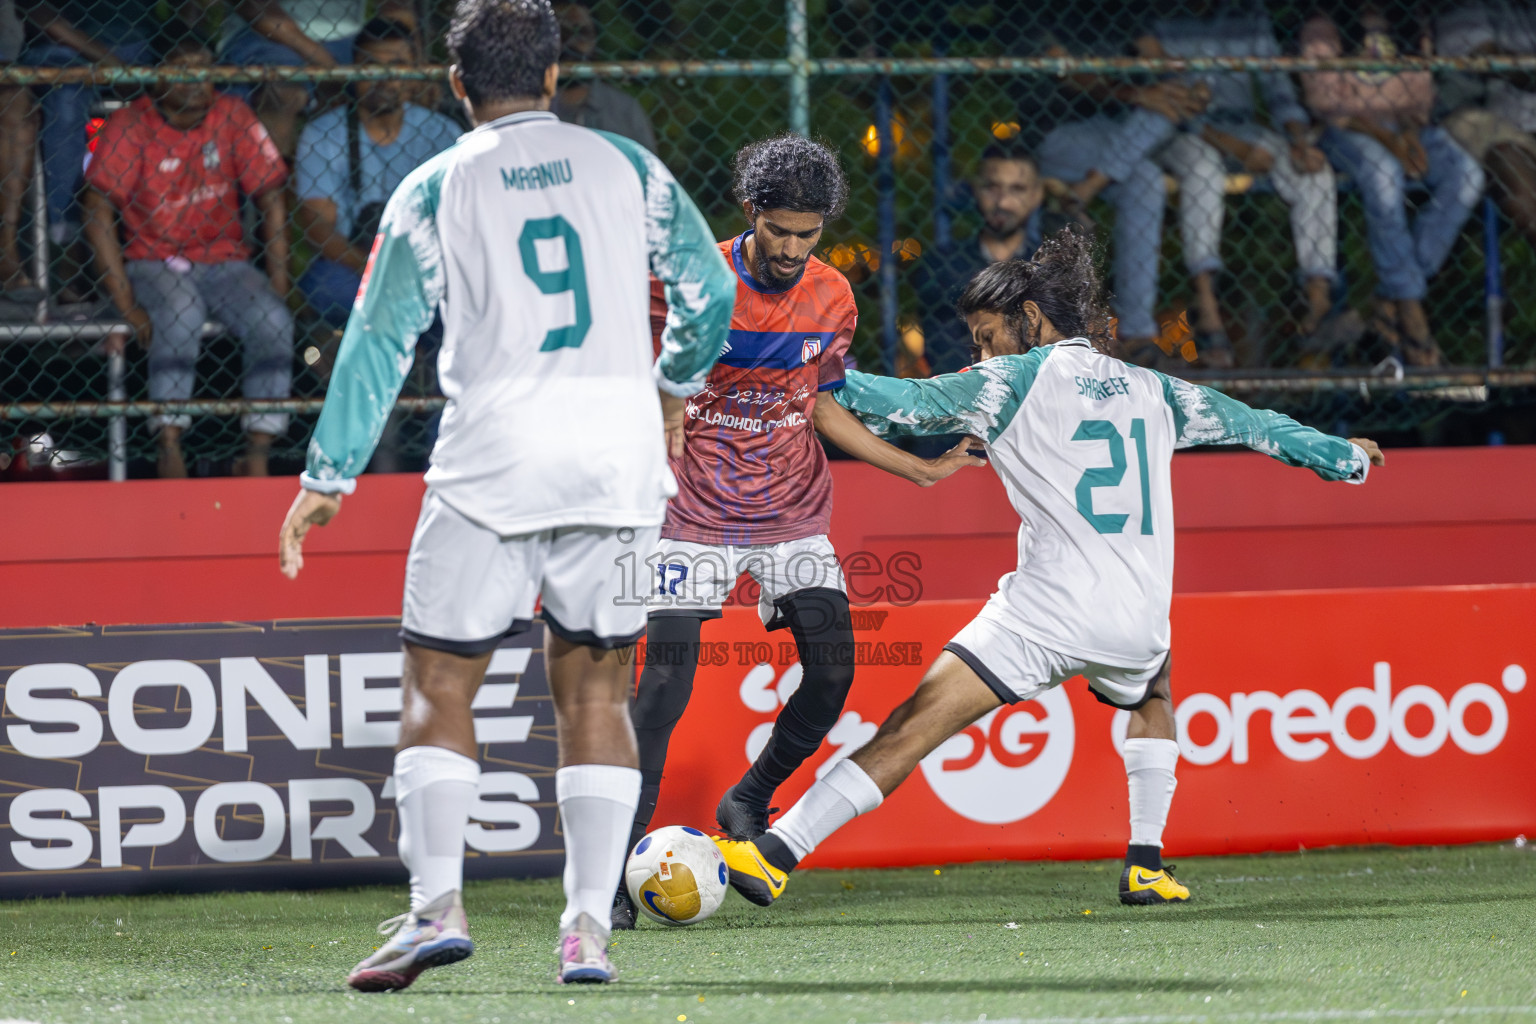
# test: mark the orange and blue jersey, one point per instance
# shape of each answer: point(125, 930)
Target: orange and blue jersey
point(752, 470)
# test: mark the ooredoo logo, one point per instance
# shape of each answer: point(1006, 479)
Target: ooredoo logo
point(1009, 764)
point(1360, 723)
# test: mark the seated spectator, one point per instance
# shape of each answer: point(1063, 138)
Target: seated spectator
point(174, 165)
point(73, 33)
point(1229, 136)
point(349, 163)
point(1113, 156)
point(1493, 117)
point(593, 103)
point(1378, 132)
point(296, 33)
point(1008, 195)
point(18, 134)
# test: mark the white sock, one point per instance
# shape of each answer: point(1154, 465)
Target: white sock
point(844, 793)
point(597, 808)
point(434, 790)
point(1149, 766)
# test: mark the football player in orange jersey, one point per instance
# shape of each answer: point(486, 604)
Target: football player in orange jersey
point(754, 492)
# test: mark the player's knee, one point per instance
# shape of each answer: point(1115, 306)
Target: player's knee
point(823, 692)
point(437, 683)
point(662, 696)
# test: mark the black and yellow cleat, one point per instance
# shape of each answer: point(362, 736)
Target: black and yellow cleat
point(1140, 887)
point(750, 873)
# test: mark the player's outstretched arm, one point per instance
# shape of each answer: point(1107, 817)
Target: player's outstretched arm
point(980, 402)
point(845, 430)
point(1202, 415)
point(700, 286)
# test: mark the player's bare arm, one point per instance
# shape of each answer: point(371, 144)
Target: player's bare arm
point(843, 429)
point(674, 423)
point(309, 508)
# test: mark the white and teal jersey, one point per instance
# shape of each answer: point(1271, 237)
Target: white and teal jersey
point(536, 240)
point(1083, 442)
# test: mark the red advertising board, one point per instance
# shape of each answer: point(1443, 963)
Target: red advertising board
point(203, 550)
point(1306, 719)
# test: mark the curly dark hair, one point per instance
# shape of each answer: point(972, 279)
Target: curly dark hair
point(791, 172)
point(503, 47)
point(1062, 278)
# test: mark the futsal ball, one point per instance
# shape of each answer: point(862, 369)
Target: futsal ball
point(676, 876)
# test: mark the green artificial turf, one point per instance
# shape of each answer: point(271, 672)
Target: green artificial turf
point(1354, 935)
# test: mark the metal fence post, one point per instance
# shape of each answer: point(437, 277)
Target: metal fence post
point(40, 234)
point(885, 185)
point(798, 33)
point(1493, 284)
point(939, 151)
point(117, 426)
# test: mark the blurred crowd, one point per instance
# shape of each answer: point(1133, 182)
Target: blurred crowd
point(185, 207)
point(1420, 151)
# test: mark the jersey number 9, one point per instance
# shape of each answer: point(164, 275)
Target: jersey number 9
point(571, 278)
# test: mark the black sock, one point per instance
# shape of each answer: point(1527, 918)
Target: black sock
point(776, 852)
point(650, 791)
point(1148, 857)
point(666, 683)
point(823, 635)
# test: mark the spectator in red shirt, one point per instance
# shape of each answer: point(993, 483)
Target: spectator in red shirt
point(173, 166)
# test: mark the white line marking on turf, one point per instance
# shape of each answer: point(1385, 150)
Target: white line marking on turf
point(1260, 1018)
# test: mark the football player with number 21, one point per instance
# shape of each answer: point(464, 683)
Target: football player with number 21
point(1082, 442)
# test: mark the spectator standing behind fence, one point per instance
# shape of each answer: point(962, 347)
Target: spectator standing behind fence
point(18, 134)
point(296, 33)
point(71, 33)
point(174, 167)
point(592, 102)
point(1378, 132)
point(1493, 117)
point(351, 160)
point(1008, 194)
point(1229, 134)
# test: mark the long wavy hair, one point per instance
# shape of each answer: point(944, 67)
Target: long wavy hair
point(1062, 278)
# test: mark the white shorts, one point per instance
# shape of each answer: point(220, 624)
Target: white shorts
point(466, 588)
point(1018, 669)
point(695, 579)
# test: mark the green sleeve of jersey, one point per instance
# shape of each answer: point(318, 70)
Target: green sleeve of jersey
point(401, 290)
point(1204, 416)
point(700, 285)
point(982, 401)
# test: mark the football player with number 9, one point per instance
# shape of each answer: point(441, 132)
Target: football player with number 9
point(538, 241)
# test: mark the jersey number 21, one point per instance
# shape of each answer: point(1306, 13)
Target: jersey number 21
point(1111, 475)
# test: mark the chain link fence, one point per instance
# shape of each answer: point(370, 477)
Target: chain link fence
point(1331, 209)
